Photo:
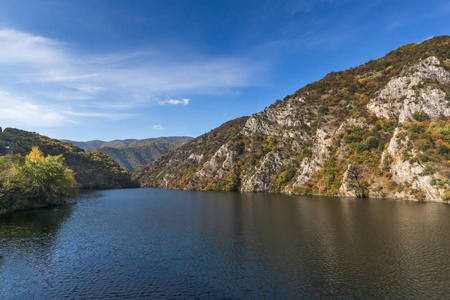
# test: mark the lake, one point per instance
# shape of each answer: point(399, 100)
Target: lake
point(156, 243)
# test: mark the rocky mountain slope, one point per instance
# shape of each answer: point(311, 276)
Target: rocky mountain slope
point(378, 130)
point(92, 169)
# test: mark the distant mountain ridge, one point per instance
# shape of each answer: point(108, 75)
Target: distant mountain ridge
point(133, 154)
point(96, 144)
point(134, 158)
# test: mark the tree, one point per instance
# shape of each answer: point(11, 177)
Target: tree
point(48, 179)
point(357, 185)
point(12, 185)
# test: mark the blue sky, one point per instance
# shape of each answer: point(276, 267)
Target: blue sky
point(90, 69)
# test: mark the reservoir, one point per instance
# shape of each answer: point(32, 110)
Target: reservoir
point(164, 244)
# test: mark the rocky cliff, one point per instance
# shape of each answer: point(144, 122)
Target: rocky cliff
point(379, 130)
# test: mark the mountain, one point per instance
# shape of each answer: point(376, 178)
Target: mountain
point(378, 130)
point(180, 166)
point(133, 154)
point(96, 144)
point(133, 158)
point(90, 145)
point(92, 169)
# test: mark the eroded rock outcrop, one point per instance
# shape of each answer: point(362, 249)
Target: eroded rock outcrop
point(261, 180)
point(409, 174)
point(404, 95)
point(367, 131)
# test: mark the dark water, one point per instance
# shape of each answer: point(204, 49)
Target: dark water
point(149, 243)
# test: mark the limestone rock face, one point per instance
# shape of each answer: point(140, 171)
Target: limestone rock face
point(284, 121)
point(404, 95)
point(345, 189)
point(261, 181)
point(345, 135)
point(196, 157)
point(319, 155)
point(213, 164)
point(403, 172)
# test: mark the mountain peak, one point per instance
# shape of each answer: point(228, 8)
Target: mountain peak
point(381, 130)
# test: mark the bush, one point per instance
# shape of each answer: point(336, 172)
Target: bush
point(420, 115)
point(446, 197)
point(323, 109)
point(271, 143)
point(372, 142)
point(285, 177)
point(417, 128)
point(428, 170)
point(306, 152)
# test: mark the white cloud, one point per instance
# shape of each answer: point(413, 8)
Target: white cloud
point(183, 101)
point(17, 111)
point(115, 116)
point(53, 76)
point(158, 127)
point(22, 48)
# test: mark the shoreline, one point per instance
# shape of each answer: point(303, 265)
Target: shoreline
point(72, 200)
point(295, 194)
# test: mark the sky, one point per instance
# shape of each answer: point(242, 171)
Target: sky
point(91, 69)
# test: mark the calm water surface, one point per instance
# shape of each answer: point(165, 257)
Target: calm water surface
point(155, 243)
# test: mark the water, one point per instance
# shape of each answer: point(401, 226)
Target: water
point(155, 243)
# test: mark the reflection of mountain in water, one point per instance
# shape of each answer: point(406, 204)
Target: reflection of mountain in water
point(27, 240)
point(156, 243)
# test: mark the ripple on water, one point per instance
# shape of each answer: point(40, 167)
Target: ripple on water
point(171, 245)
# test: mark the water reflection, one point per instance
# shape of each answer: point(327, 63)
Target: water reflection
point(168, 244)
point(27, 239)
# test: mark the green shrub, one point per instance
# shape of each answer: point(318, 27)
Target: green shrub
point(420, 115)
point(428, 170)
point(372, 142)
point(417, 128)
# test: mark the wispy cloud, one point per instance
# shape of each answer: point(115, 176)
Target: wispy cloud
point(52, 75)
point(158, 127)
point(183, 101)
point(23, 48)
point(17, 111)
point(115, 116)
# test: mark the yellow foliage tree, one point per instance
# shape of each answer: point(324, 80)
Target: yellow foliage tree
point(49, 180)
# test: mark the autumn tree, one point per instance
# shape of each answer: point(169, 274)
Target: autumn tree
point(49, 180)
point(34, 179)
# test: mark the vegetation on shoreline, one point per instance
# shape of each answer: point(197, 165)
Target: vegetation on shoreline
point(92, 169)
point(34, 180)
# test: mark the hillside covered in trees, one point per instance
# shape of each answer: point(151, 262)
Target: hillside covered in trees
point(92, 169)
point(378, 130)
point(96, 144)
point(135, 158)
point(134, 154)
